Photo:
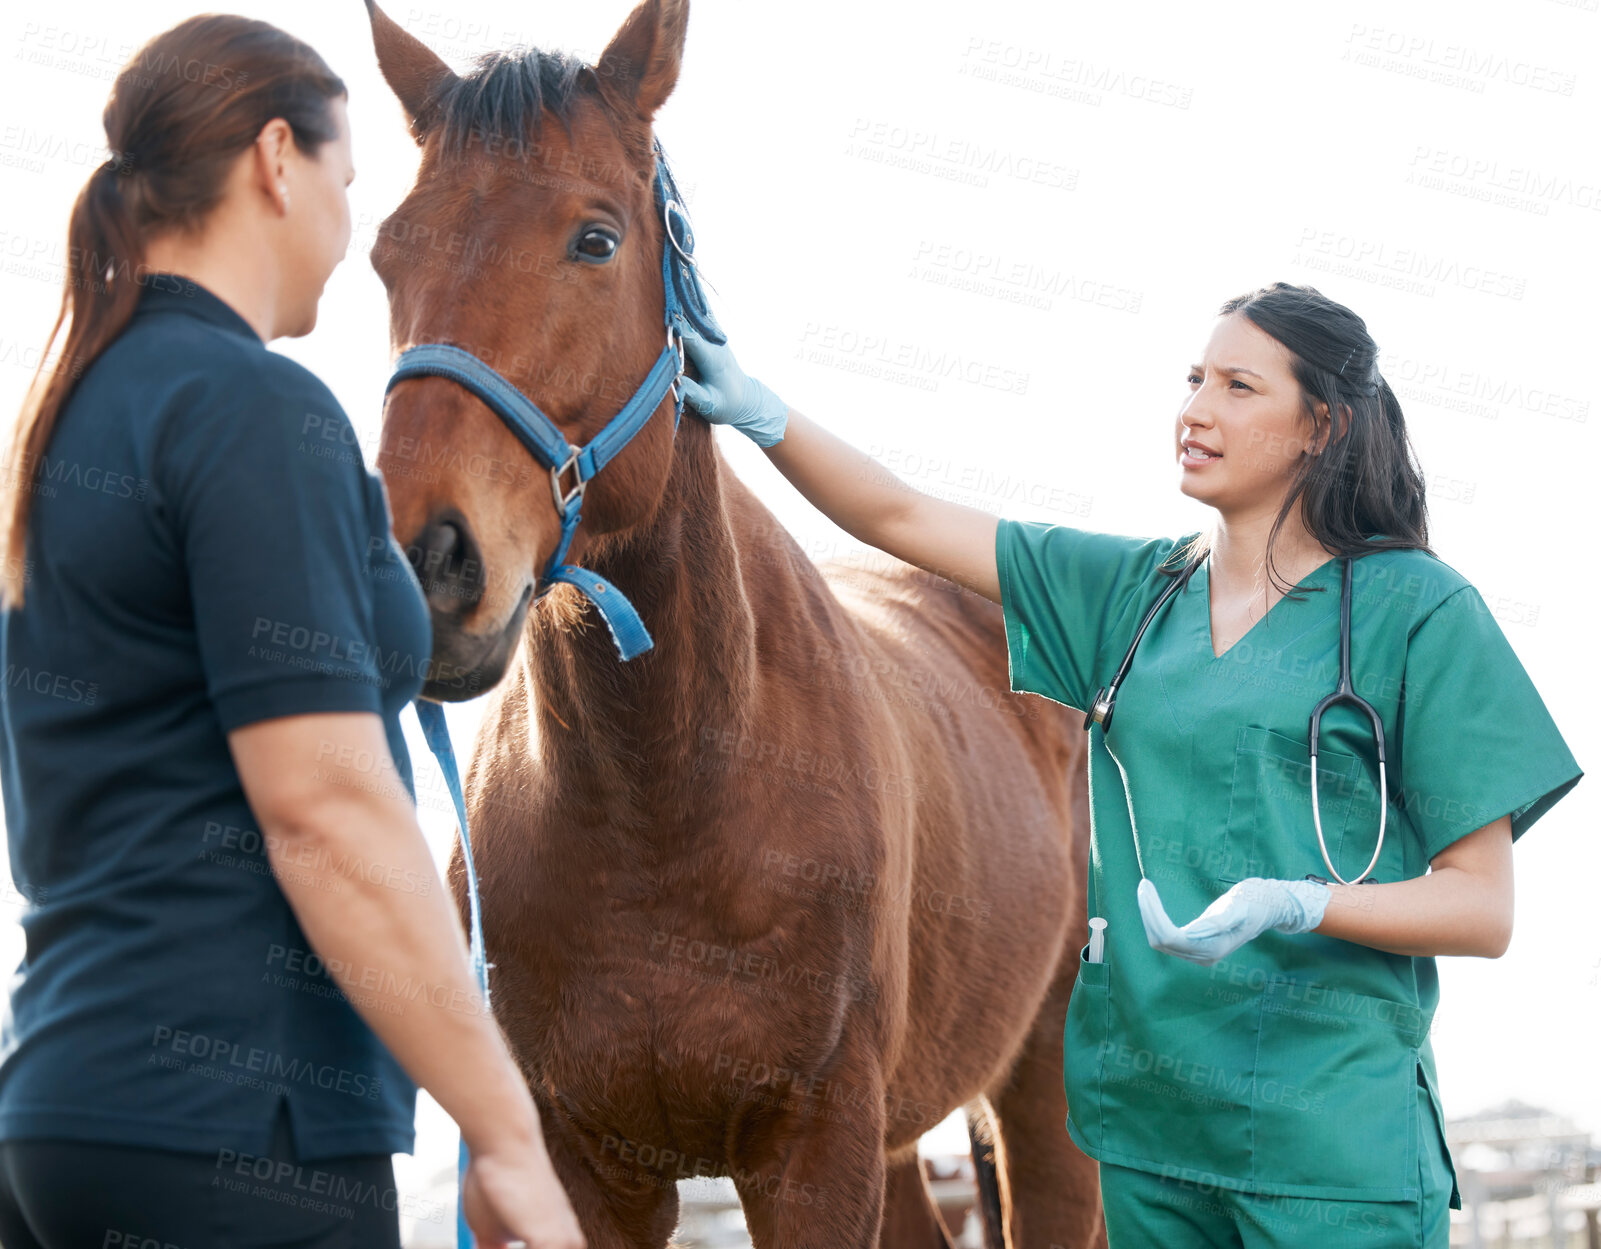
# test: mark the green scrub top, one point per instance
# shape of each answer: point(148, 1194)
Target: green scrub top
point(1290, 1067)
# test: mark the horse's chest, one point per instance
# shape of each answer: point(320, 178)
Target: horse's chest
point(663, 1053)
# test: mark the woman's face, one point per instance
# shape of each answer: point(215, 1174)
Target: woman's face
point(320, 213)
point(1244, 406)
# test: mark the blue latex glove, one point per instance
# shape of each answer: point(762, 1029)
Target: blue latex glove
point(726, 395)
point(1246, 911)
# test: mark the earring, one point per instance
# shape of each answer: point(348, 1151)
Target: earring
point(283, 194)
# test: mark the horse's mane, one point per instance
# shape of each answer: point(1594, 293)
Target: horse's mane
point(506, 94)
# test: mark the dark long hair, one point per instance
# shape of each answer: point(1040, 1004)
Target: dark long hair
point(1367, 479)
point(180, 113)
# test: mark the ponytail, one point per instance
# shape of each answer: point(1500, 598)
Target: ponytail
point(102, 249)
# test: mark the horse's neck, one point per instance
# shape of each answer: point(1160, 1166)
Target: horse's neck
point(642, 725)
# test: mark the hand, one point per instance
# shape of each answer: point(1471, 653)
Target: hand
point(512, 1194)
point(1246, 911)
point(725, 395)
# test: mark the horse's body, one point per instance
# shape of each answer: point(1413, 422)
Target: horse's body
point(792, 894)
point(774, 898)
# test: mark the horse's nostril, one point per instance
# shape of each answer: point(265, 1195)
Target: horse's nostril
point(440, 541)
point(447, 564)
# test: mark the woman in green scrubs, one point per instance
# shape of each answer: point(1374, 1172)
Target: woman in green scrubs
point(1262, 1075)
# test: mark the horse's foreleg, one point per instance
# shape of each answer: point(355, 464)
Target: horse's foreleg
point(622, 1198)
point(911, 1219)
point(828, 1193)
point(817, 1181)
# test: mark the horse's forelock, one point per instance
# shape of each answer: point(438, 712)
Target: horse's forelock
point(507, 95)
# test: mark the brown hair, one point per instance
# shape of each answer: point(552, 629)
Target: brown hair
point(1368, 479)
point(180, 113)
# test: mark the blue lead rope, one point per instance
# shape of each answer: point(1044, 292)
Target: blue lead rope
point(431, 716)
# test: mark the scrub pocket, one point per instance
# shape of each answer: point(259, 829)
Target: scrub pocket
point(1335, 1099)
point(1435, 1124)
point(1269, 830)
point(1089, 1021)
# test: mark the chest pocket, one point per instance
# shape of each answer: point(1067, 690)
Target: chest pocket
point(1269, 831)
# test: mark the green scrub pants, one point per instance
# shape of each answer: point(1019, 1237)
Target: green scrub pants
point(1144, 1209)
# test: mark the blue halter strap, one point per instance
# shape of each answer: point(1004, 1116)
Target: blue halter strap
point(685, 307)
point(571, 467)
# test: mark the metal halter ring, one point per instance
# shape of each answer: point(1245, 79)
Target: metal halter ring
point(563, 498)
point(668, 209)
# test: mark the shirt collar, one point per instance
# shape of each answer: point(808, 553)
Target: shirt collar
point(172, 292)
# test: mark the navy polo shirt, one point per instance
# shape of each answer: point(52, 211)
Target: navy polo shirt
point(206, 549)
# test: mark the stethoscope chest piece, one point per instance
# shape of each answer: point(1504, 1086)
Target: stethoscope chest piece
point(1101, 708)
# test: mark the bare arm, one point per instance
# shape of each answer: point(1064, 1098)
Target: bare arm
point(1463, 906)
point(346, 849)
point(874, 506)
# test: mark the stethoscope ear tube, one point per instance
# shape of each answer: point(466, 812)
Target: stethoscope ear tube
point(1317, 823)
point(1345, 692)
point(1105, 701)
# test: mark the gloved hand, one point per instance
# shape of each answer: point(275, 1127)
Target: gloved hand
point(726, 395)
point(1246, 911)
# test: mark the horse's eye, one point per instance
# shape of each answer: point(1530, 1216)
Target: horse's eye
point(596, 245)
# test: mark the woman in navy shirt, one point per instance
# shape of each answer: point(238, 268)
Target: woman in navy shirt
point(239, 954)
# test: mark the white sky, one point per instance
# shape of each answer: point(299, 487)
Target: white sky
point(1431, 165)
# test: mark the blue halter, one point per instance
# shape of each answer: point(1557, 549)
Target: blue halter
point(685, 306)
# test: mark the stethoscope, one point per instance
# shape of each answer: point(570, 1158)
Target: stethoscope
point(1105, 700)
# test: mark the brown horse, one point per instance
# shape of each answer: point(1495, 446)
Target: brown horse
point(773, 899)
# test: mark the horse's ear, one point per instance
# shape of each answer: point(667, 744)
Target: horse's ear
point(639, 67)
point(412, 70)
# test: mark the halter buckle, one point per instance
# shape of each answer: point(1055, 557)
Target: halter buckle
point(564, 498)
point(676, 340)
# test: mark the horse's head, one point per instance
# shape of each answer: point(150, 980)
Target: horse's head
point(531, 241)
